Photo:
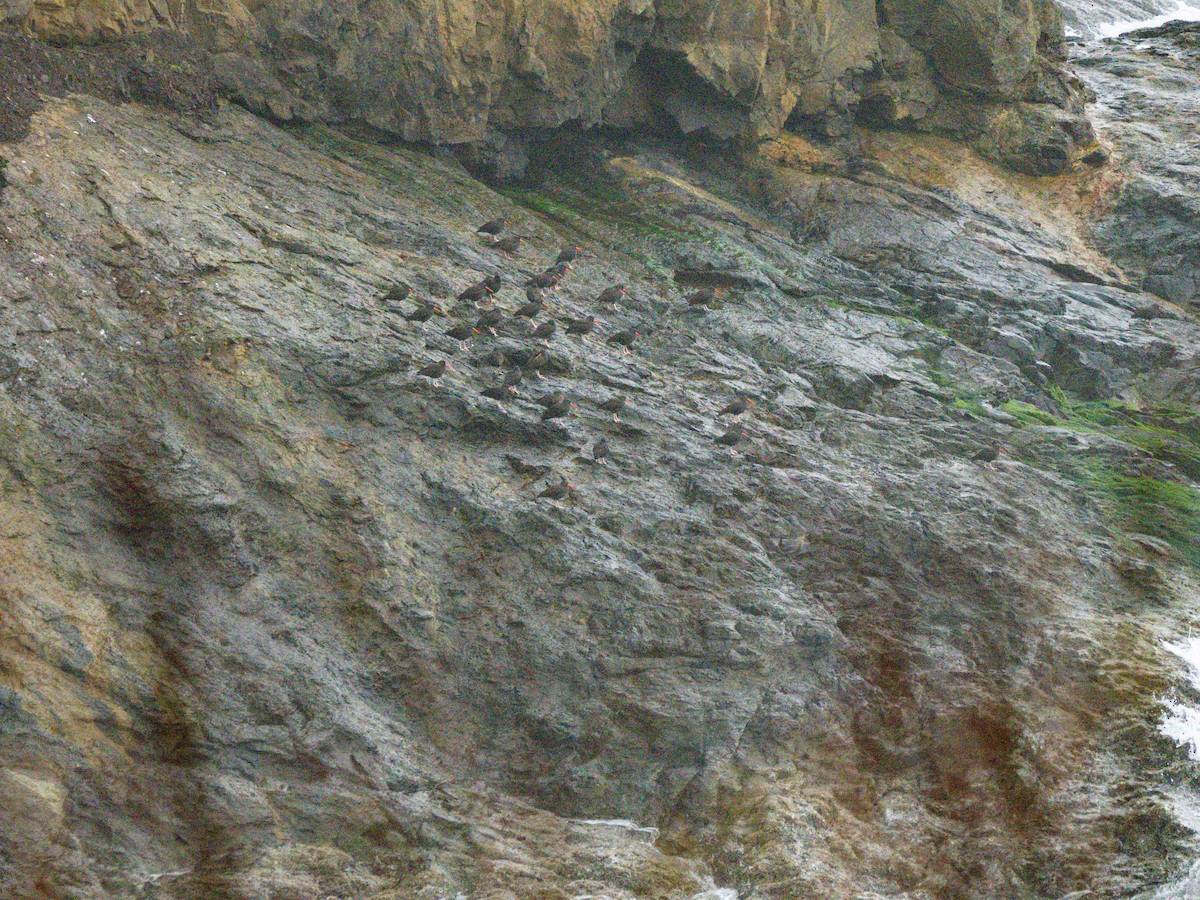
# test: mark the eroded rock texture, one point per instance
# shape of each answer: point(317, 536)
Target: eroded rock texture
point(486, 73)
point(282, 618)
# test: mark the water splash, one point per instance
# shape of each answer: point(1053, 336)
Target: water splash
point(1181, 722)
point(1181, 13)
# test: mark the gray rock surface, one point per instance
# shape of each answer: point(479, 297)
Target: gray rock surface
point(283, 619)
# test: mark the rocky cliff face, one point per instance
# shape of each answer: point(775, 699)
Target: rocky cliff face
point(492, 76)
point(280, 617)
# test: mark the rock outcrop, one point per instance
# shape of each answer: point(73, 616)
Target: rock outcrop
point(485, 74)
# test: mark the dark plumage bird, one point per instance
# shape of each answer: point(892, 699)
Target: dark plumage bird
point(495, 226)
point(501, 392)
point(530, 310)
point(556, 491)
point(497, 358)
point(535, 362)
point(512, 377)
point(462, 332)
point(600, 449)
point(732, 435)
point(736, 406)
point(434, 370)
point(704, 296)
point(547, 279)
point(557, 411)
point(397, 292)
point(613, 405)
point(556, 398)
point(424, 312)
point(482, 289)
point(625, 337)
point(489, 319)
point(613, 294)
point(569, 254)
point(509, 244)
point(545, 330)
point(582, 326)
point(987, 454)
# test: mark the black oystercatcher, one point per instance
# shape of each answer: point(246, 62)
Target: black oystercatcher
point(501, 392)
point(545, 280)
point(737, 406)
point(509, 245)
point(569, 254)
point(530, 310)
point(556, 491)
point(557, 398)
point(462, 332)
point(494, 227)
point(397, 292)
point(535, 362)
point(545, 330)
point(424, 312)
point(987, 454)
point(489, 319)
point(434, 370)
point(557, 411)
point(613, 294)
point(482, 289)
point(600, 450)
point(512, 377)
point(582, 326)
point(625, 338)
point(613, 405)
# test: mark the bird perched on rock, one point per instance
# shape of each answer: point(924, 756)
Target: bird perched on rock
point(492, 227)
point(600, 449)
point(736, 406)
point(704, 296)
point(556, 491)
point(546, 280)
point(462, 332)
point(424, 312)
point(482, 289)
point(512, 377)
point(732, 436)
point(557, 398)
point(613, 405)
point(434, 370)
point(582, 326)
point(987, 454)
point(569, 254)
point(489, 319)
point(625, 338)
point(501, 392)
point(536, 362)
point(509, 245)
point(497, 358)
point(530, 310)
point(557, 411)
point(397, 292)
point(545, 330)
point(613, 294)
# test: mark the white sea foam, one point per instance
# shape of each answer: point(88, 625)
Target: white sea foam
point(1181, 722)
point(1183, 13)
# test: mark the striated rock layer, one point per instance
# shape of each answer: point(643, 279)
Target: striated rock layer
point(488, 74)
point(281, 618)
